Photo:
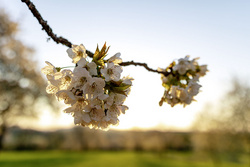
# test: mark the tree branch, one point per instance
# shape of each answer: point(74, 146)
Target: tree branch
point(145, 66)
point(67, 43)
point(45, 26)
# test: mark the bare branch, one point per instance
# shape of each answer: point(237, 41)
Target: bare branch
point(45, 26)
point(145, 66)
point(65, 42)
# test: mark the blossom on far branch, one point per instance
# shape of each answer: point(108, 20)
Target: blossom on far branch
point(181, 83)
point(94, 90)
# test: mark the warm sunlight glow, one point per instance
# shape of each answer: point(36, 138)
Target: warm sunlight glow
point(218, 34)
point(48, 120)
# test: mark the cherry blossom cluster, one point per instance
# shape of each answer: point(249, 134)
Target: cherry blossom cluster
point(181, 81)
point(94, 90)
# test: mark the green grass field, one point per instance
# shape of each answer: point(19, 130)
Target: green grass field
point(112, 159)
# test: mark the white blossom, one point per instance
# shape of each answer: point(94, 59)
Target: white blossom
point(127, 80)
point(86, 117)
point(172, 102)
point(94, 88)
point(112, 72)
point(82, 62)
point(114, 98)
point(115, 59)
point(193, 64)
point(119, 99)
point(77, 52)
point(66, 79)
point(90, 67)
point(78, 105)
point(59, 81)
point(122, 108)
point(113, 111)
point(96, 114)
point(182, 66)
point(81, 77)
point(94, 103)
point(67, 96)
point(188, 100)
point(62, 79)
point(193, 88)
point(54, 79)
point(203, 70)
point(49, 69)
point(90, 102)
point(51, 89)
point(104, 123)
point(77, 117)
point(173, 91)
point(81, 117)
point(182, 94)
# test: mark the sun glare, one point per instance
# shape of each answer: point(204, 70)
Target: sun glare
point(50, 121)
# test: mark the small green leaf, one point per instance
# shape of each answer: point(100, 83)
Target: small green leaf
point(121, 88)
point(100, 62)
point(104, 50)
point(96, 55)
point(117, 87)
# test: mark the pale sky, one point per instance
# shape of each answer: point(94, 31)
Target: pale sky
point(152, 31)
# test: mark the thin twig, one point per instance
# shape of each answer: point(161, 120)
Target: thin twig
point(67, 43)
point(145, 66)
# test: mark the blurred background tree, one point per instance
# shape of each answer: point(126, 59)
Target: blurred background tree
point(22, 88)
point(225, 127)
